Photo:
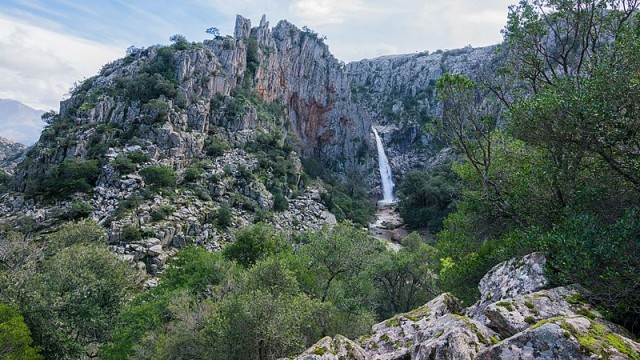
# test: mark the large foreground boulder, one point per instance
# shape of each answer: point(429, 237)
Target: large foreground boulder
point(515, 319)
point(572, 337)
point(518, 276)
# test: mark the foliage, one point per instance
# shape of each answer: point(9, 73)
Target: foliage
point(602, 258)
point(138, 157)
point(5, 181)
point(427, 197)
point(68, 177)
point(254, 243)
point(131, 233)
point(562, 174)
point(193, 174)
point(124, 165)
point(15, 337)
point(405, 279)
point(207, 305)
point(159, 176)
point(78, 283)
point(162, 212)
point(215, 147)
point(83, 232)
point(224, 216)
point(346, 199)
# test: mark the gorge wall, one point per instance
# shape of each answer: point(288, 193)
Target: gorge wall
point(329, 105)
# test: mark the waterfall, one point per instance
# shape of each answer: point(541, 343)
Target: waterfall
point(385, 171)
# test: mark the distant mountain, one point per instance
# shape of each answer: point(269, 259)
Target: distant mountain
point(10, 154)
point(20, 122)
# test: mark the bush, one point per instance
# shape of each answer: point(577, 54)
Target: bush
point(215, 147)
point(162, 212)
point(79, 209)
point(192, 174)
point(71, 176)
point(131, 233)
point(15, 337)
point(280, 202)
point(72, 301)
point(138, 157)
point(5, 181)
point(254, 243)
point(124, 165)
point(224, 216)
point(160, 176)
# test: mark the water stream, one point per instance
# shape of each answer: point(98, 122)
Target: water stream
point(385, 171)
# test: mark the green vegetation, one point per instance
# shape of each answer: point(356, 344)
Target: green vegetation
point(159, 176)
point(15, 336)
point(5, 181)
point(68, 288)
point(561, 175)
point(65, 179)
point(227, 305)
point(346, 199)
point(427, 197)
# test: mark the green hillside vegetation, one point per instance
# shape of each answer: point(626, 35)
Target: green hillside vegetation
point(549, 160)
point(561, 174)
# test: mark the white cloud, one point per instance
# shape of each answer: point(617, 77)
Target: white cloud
point(321, 12)
point(39, 66)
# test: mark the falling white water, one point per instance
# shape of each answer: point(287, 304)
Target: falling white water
point(385, 171)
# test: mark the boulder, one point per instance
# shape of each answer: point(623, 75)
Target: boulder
point(337, 348)
point(434, 329)
point(570, 338)
point(518, 276)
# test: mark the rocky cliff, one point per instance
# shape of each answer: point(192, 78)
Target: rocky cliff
point(225, 123)
point(515, 319)
point(328, 105)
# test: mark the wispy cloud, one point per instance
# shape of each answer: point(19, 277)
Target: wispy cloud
point(38, 66)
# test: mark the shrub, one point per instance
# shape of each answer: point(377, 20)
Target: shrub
point(216, 147)
point(138, 157)
point(15, 337)
point(160, 176)
point(280, 202)
point(131, 233)
point(71, 176)
point(192, 174)
point(124, 165)
point(224, 216)
point(79, 209)
point(254, 243)
point(426, 197)
point(162, 212)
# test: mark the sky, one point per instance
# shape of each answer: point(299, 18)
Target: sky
point(47, 45)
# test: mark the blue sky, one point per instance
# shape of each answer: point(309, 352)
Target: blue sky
point(46, 45)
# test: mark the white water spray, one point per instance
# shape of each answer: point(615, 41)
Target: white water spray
point(385, 171)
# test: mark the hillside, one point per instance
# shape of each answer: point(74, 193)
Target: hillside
point(211, 200)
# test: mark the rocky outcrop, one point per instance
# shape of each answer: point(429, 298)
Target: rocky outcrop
point(509, 279)
point(571, 337)
point(522, 321)
point(336, 348)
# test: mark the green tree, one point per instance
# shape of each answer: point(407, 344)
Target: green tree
point(254, 243)
point(160, 176)
point(427, 197)
point(71, 302)
point(15, 337)
point(405, 279)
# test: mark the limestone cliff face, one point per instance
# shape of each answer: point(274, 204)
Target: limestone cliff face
point(330, 106)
